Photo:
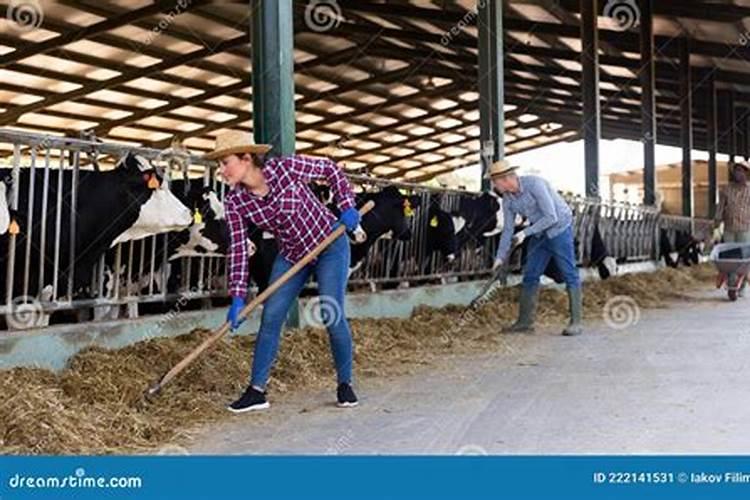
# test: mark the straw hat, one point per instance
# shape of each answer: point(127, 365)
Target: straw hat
point(234, 142)
point(500, 168)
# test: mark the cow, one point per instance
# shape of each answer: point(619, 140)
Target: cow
point(440, 237)
point(686, 249)
point(206, 236)
point(126, 203)
point(478, 218)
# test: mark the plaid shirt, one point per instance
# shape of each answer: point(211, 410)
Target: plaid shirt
point(290, 211)
point(734, 207)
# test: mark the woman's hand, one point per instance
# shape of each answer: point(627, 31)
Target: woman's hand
point(350, 218)
point(233, 315)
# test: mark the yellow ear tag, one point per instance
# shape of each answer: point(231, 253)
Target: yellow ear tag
point(408, 211)
point(13, 227)
point(197, 217)
point(434, 222)
point(153, 182)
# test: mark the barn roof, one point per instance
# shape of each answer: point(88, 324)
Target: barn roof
point(379, 85)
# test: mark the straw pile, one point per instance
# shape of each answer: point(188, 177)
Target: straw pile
point(95, 406)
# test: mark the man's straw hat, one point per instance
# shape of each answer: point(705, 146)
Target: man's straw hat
point(234, 142)
point(500, 168)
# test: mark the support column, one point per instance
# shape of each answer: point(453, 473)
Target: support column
point(591, 111)
point(741, 136)
point(732, 130)
point(491, 81)
point(273, 74)
point(648, 102)
point(712, 144)
point(273, 84)
point(686, 132)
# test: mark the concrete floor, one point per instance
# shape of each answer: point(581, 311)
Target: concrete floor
point(675, 382)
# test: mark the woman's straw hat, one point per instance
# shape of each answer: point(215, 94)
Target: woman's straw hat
point(234, 142)
point(499, 169)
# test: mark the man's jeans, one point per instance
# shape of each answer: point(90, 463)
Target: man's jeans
point(541, 249)
point(331, 272)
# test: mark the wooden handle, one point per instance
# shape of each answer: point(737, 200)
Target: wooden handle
point(258, 300)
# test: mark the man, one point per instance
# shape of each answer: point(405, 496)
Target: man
point(734, 211)
point(550, 236)
point(274, 195)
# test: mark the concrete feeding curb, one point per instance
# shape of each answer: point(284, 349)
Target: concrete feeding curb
point(53, 346)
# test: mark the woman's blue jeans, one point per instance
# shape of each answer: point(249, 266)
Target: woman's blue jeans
point(331, 270)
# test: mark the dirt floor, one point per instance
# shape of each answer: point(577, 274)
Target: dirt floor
point(96, 404)
point(672, 383)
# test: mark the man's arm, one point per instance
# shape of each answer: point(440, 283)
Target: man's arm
point(543, 196)
point(307, 169)
point(721, 207)
point(237, 256)
point(509, 217)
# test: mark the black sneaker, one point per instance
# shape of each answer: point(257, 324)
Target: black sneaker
point(346, 397)
point(252, 399)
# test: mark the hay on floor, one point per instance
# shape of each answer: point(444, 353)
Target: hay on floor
point(96, 405)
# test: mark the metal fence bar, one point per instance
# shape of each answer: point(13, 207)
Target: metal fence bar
point(43, 228)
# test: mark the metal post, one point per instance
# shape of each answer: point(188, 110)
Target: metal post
point(686, 132)
point(591, 115)
point(273, 78)
point(732, 129)
point(648, 102)
point(712, 140)
point(273, 83)
point(43, 229)
point(491, 80)
point(30, 221)
point(73, 222)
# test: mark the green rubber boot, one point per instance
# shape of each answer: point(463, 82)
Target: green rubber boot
point(526, 312)
point(575, 302)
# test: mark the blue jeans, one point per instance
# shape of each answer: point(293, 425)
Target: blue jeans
point(331, 272)
point(541, 249)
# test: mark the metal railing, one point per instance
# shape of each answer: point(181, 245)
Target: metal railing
point(630, 233)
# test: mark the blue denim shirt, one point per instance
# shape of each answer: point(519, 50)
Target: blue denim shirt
point(536, 200)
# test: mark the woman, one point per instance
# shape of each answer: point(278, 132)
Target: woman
point(273, 194)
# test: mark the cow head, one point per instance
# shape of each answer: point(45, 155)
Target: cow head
point(479, 217)
point(208, 233)
point(441, 231)
point(160, 211)
point(392, 213)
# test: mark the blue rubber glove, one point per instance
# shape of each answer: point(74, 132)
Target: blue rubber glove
point(233, 315)
point(350, 218)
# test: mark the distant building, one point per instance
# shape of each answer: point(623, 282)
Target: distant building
point(628, 186)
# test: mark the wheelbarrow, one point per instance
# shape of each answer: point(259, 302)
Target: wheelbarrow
point(732, 260)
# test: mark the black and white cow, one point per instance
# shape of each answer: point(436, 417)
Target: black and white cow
point(478, 218)
point(441, 240)
point(205, 236)
point(122, 204)
point(686, 248)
